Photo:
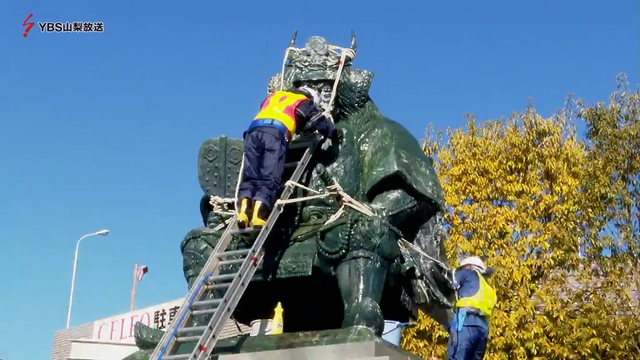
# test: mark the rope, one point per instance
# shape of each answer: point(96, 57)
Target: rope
point(344, 53)
point(239, 180)
point(334, 190)
point(345, 201)
point(284, 63)
point(348, 201)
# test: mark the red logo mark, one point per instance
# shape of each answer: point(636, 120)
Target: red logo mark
point(29, 25)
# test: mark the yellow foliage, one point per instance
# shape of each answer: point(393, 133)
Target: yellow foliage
point(528, 194)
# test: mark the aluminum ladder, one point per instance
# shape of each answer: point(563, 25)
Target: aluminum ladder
point(233, 285)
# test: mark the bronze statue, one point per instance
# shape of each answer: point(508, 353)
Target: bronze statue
point(355, 271)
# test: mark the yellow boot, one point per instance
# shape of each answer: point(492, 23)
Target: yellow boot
point(259, 215)
point(243, 216)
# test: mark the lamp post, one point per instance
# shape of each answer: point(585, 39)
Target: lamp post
point(75, 265)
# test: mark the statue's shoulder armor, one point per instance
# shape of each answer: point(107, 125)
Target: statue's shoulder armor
point(393, 153)
point(219, 162)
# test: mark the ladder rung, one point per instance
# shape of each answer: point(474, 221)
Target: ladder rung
point(246, 231)
point(186, 330)
point(187, 339)
point(217, 286)
point(203, 312)
point(176, 357)
point(291, 164)
point(243, 252)
point(204, 303)
point(223, 277)
point(232, 262)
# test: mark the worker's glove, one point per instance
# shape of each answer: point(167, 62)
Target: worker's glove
point(337, 137)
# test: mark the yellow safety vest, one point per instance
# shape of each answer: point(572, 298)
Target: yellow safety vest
point(484, 300)
point(281, 106)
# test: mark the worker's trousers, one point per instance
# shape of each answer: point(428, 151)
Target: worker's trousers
point(470, 343)
point(264, 157)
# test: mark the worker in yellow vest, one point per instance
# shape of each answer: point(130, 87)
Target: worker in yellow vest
point(469, 330)
point(282, 114)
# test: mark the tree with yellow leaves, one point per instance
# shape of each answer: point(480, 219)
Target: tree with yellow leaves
point(541, 205)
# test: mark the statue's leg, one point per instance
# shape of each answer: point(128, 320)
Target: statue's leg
point(361, 280)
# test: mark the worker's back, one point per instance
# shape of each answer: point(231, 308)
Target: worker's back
point(469, 286)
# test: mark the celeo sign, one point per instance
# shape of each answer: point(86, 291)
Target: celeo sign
point(120, 328)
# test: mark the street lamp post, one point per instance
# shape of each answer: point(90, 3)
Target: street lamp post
point(75, 265)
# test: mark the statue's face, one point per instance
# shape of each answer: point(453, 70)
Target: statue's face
point(323, 87)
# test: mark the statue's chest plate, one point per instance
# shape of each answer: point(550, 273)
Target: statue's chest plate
point(341, 164)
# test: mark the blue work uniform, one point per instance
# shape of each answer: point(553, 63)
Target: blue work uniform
point(469, 330)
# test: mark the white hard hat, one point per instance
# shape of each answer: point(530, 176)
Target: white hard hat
point(474, 261)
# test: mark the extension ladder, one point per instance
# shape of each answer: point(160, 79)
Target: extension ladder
point(202, 300)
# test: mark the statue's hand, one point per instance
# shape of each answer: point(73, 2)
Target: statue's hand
point(337, 137)
point(410, 269)
point(373, 227)
point(340, 136)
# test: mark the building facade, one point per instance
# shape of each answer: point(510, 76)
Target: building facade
point(113, 338)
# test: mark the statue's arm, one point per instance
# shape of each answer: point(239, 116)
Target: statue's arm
point(401, 184)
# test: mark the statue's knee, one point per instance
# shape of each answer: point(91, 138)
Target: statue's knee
point(196, 249)
point(367, 313)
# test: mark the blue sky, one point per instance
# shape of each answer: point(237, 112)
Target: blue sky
point(102, 130)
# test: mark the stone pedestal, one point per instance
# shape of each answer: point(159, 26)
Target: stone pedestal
point(369, 350)
point(343, 344)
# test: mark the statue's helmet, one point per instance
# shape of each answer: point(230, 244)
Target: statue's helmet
point(317, 66)
point(318, 61)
